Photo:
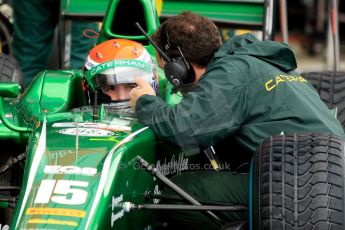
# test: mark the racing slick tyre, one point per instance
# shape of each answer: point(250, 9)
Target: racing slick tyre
point(298, 182)
point(10, 70)
point(331, 88)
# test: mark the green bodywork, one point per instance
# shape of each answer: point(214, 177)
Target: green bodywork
point(92, 170)
point(247, 12)
point(79, 172)
point(84, 8)
point(250, 12)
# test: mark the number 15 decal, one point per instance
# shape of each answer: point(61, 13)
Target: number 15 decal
point(61, 192)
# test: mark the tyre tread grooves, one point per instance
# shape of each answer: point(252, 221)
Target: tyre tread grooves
point(307, 193)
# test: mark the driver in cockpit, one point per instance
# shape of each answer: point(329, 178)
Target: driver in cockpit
point(111, 68)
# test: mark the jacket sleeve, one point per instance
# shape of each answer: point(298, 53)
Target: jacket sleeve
point(213, 110)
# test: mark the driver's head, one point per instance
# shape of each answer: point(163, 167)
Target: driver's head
point(112, 66)
point(118, 92)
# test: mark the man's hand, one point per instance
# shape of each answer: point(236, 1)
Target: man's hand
point(142, 89)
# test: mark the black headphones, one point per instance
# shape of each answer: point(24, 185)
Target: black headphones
point(178, 70)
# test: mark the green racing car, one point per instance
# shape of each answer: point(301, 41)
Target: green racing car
point(71, 164)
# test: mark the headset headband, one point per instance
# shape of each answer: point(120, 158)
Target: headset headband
point(165, 37)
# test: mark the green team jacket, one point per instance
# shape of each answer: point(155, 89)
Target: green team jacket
point(250, 91)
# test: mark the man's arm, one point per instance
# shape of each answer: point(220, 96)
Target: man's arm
point(211, 112)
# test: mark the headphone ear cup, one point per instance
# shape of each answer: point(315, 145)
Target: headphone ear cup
point(178, 73)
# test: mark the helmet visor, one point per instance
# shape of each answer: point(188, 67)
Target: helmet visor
point(118, 72)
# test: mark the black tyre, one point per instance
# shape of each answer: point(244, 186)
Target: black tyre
point(299, 183)
point(10, 70)
point(331, 88)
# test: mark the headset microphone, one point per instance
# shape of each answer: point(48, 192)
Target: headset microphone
point(177, 70)
point(163, 55)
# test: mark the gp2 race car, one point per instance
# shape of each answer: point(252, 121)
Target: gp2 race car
point(64, 169)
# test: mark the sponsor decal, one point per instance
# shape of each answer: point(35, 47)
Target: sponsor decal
point(55, 212)
point(86, 132)
point(69, 192)
point(60, 153)
point(114, 203)
point(72, 125)
point(115, 128)
point(279, 79)
point(115, 125)
point(58, 169)
point(116, 216)
point(173, 166)
point(52, 221)
point(112, 139)
point(117, 63)
point(156, 191)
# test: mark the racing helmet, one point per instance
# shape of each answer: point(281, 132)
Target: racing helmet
point(118, 61)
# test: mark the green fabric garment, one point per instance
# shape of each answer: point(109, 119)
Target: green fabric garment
point(250, 91)
point(34, 26)
point(209, 188)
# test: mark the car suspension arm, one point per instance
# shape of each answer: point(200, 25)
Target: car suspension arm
point(190, 207)
point(175, 188)
point(203, 202)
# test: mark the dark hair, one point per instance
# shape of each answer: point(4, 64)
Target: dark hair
point(197, 37)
